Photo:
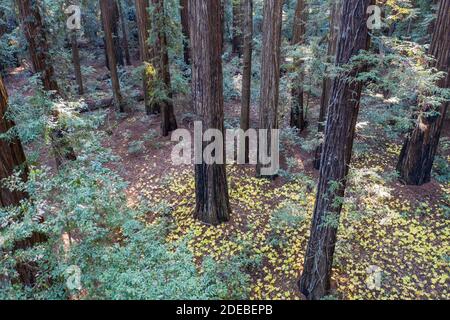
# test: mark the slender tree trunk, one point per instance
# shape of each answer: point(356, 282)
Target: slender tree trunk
point(211, 187)
point(12, 157)
point(247, 70)
point(106, 7)
point(184, 13)
point(420, 147)
point(270, 70)
point(337, 151)
point(327, 81)
point(126, 48)
point(76, 62)
point(298, 38)
point(161, 63)
point(237, 27)
point(143, 23)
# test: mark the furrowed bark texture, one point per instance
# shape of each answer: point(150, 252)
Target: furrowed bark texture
point(270, 70)
point(337, 151)
point(212, 202)
point(420, 147)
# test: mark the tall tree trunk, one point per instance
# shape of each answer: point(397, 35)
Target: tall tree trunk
point(76, 62)
point(337, 151)
point(107, 8)
point(420, 147)
point(38, 49)
point(237, 27)
point(37, 42)
point(126, 48)
point(161, 63)
point(110, 6)
point(247, 70)
point(298, 38)
point(211, 187)
point(143, 23)
point(270, 70)
point(184, 13)
point(13, 158)
point(327, 81)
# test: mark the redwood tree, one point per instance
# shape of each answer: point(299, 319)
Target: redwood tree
point(184, 13)
point(337, 151)
point(211, 189)
point(107, 8)
point(113, 17)
point(327, 81)
point(247, 70)
point(143, 23)
point(162, 66)
point(298, 38)
point(270, 69)
point(420, 147)
point(123, 23)
point(38, 49)
point(237, 27)
point(76, 62)
point(12, 157)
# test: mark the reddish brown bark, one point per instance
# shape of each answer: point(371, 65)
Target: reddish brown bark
point(420, 147)
point(337, 150)
point(107, 9)
point(211, 188)
point(270, 70)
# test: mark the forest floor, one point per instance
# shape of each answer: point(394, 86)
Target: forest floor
point(393, 240)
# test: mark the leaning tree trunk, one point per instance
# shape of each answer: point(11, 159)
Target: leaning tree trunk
point(13, 158)
point(337, 151)
point(184, 13)
point(37, 42)
point(161, 63)
point(298, 38)
point(211, 188)
point(126, 48)
point(76, 62)
point(419, 150)
point(327, 81)
point(247, 70)
point(270, 71)
point(237, 31)
point(38, 49)
point(107, 8)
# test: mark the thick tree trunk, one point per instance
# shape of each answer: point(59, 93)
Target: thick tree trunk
point(123, 23)
point(327, 81)
point(11, 155)
point(420, 147)
point(110, 6)
point(237, 27)
point(298, 38)
point(337, 151)
point(184, 13)
point(161, 63)
point(76, 62)
point(13, 158)
point(247, 70)
point(270, 70)
point(211, 188)
point(107, 9)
